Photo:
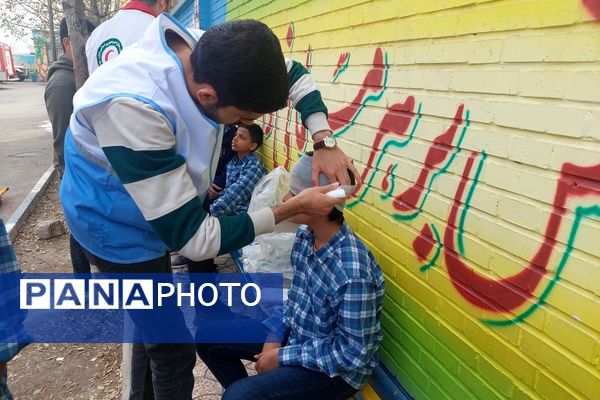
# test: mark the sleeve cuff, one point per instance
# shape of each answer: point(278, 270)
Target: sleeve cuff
point(263, 221)
point(317, 122)
point(289, 355)
point(276, 325)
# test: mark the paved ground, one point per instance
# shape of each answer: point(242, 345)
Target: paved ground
point(45, 371)
point(25, 141)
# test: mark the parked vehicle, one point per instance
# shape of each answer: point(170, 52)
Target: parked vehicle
point(8, 70)
point(22, 72)
point(7, 64)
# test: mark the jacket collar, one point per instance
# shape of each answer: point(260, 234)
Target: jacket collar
point(140, 6)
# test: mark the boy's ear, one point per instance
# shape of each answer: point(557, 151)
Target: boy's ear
point(253, 146)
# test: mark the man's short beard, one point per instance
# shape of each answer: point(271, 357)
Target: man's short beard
point(210, 111)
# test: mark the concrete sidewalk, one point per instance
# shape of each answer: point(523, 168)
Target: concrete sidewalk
point(25, 142)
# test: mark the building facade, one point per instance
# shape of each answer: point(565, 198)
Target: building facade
point(475, 126)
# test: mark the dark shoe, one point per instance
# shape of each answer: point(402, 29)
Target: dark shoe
point(179, 261)
point(202, 267)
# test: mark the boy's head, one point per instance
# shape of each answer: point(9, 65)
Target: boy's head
point(64, 36)
point(160, 6)
point(240, 66)
point(301, 178)
point(247, 138)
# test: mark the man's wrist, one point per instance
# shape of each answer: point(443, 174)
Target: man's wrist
point(318, 136)
point(288, 209)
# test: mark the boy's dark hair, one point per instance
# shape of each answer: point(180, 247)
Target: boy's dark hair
point(64, 29)
point(243, 62)
point(256, 134)
point(336, 215)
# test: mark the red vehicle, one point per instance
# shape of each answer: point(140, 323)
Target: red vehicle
point(7, 64)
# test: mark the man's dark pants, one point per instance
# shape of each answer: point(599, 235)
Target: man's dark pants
point(171, 364)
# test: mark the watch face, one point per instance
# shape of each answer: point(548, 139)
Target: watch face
point(329, 141)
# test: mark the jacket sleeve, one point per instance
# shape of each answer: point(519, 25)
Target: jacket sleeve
point(59, 105)
point(306, 98)
point(139, 143)
point(239, 192)
point(12, 335)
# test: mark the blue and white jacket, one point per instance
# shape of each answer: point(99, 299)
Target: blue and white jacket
point(129, 193)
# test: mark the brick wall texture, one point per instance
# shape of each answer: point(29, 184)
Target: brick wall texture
point(476, 128)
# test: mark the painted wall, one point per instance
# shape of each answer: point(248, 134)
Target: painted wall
point(187, 13)
point(41, 63)
point(476, 127)
point(200, 14)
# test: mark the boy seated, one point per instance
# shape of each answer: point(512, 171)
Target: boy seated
point(326, 345)
point(243, 172)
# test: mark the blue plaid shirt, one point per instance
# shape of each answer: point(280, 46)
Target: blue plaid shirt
point(242, 177)
point(11, 324)
point(333, 309)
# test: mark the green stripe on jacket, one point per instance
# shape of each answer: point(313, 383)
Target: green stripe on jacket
point(136, 165)
point(296, 72)
point(179, 226)
point(310, 104)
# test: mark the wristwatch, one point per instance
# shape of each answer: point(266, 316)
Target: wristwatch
point(328, 142)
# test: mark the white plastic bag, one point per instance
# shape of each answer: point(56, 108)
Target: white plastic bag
point(271, 252)
point(270, 190)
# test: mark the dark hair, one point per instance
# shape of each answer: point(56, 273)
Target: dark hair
point(256, 134)
point(243, 62)
point(337, 215)
point(64, 29)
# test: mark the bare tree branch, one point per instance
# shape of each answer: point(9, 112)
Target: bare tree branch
point(20, 16)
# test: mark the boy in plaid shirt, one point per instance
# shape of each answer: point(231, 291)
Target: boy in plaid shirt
point(326, 344)
point(243, 173)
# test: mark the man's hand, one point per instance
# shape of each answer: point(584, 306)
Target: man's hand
point(333, 163)
point(310, 201)
point(213, 191)
point(267, 360)
point(314, 200)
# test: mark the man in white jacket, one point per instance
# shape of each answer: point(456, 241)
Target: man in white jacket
point(142, 148)
point(126, 27)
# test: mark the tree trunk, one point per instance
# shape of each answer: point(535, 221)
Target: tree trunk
point(75, 15)
point(52, 33)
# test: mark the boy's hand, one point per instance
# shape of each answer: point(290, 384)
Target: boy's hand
point(213, 191)
point(270, 346)
point(267, 361)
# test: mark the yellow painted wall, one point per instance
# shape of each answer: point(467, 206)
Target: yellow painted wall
point(476, 126)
